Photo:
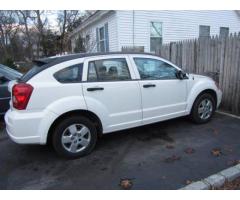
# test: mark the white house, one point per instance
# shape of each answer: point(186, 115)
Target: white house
point(112, 30)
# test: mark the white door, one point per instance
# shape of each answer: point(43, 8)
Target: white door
point(111, 92)
point(163, 95)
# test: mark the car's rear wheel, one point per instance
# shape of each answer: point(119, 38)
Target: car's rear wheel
point(203, 108)
point(74, 137)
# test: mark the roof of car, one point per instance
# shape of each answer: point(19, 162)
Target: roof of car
point(59, 59)
point(45, 63)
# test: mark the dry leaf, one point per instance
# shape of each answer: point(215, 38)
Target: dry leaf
point(188, 182)
point(216, 152)
point(172, 159)
point(126, 184)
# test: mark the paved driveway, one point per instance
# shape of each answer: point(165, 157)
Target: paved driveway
point(160, 156)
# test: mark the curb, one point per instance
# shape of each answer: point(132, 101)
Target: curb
point(215, 180)
point(227, 114)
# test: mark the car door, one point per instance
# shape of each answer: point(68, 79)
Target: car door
point(4, 95)
point(164, 96)
point(112, 92)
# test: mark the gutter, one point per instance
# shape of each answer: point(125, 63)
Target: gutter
point(91, 19)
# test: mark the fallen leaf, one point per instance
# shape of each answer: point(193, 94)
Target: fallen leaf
point(126, 184)
point(172, 159)
point(189, 150)
point(188, 182)
point(216, 152)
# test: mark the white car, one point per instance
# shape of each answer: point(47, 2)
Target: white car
point(71, 100)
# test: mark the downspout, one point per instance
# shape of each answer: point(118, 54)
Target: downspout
point(133, 27)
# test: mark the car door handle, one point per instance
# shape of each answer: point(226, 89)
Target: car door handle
point(149, 85)
point(94, 89)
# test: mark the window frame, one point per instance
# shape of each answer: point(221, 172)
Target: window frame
point(221, 28)
point(131, 69)
point(102, 40)
point(130, 78)
point(150, 23)
point(80, 73)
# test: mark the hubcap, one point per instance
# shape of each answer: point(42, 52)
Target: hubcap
point(205, 109)
point(76, 138)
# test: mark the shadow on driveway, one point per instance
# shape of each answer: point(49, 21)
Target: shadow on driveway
point(165, 155)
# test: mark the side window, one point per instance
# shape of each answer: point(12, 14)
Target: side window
point(72, 74)
point(150, 69)
point(115, 69)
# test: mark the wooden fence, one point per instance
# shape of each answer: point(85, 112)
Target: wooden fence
point(217, 57)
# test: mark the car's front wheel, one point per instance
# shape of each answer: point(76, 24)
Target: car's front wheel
point(203, 108)
point(74, 137)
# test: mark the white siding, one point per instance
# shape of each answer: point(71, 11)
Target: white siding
point(177, 25)
point(91, 30)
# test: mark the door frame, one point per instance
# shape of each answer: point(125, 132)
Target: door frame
point(163, 117)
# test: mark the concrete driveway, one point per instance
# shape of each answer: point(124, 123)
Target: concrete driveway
point(166, 155)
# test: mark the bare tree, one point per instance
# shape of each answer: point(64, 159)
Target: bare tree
point(67, 20)
point(25, 16)
point(40, 23)
point(8, 29)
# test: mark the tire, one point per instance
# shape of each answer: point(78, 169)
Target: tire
point(197, 115)
point(74, 137)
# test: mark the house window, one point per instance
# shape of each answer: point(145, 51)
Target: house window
point(102, 38)
point(204, 31)
point(224, 31)
point(155, 36)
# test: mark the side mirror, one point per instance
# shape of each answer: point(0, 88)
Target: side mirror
point(180, 74)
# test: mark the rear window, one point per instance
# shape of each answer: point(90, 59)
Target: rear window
point(72, 74)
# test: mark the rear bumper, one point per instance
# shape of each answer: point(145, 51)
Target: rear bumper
point(28, 128)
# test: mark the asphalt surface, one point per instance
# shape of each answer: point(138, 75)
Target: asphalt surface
point(165, 155)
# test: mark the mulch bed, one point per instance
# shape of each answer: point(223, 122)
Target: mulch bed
point(233, 185)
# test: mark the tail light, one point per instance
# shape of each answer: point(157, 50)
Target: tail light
point(21, 94)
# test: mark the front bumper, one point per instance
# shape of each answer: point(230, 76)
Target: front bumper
point(28, 127)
